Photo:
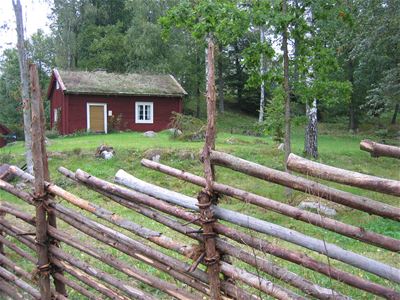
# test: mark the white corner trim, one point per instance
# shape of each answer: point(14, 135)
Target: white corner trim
point(88, 104)
point(137, 104)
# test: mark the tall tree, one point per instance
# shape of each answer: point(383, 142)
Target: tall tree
point(23, 66)
point(286, 87)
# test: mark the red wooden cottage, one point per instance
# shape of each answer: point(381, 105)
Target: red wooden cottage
point(3, 132)
point(94, 101)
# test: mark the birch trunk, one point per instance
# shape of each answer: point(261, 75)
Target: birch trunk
point(262, 73)
point(23, 68)
point(311, 137)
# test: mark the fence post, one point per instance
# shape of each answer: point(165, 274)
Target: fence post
point(59, 285)
point(40, 196)
point(207, 197)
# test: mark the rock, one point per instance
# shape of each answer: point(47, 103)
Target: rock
point(152, 153)
point(107, 155)
point(184, 154)
point(105, 152)
point(156, 158)
point(175, 131)
point(323, 209)
point(150, 134)
point(281, 147)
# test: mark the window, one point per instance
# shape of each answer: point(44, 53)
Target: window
point(144, 112)
point(55, 115)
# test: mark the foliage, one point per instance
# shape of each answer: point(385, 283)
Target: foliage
point(274, 115)
point(115, 123)
point(192, 129)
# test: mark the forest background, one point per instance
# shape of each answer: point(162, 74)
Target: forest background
point(343, 56)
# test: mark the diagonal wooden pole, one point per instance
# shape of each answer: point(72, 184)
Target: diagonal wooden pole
point(40, 196)
point(206, 197)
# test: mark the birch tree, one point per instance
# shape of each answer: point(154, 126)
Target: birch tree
point(23, 66)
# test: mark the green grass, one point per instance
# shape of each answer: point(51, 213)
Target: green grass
point(336, 148)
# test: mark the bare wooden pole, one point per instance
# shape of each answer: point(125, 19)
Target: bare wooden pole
point(305, 185)
point(10, 277)
point(60, 286)
point(377, 149)
point(10, 290)
point(40, 194)
point(364, 181)
point(206, 197)
point(285, 209)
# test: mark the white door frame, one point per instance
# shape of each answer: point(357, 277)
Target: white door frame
point(88, 115)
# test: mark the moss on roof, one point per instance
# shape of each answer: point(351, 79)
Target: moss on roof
point(100, 82)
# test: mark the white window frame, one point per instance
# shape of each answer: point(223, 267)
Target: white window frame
point(137, 120)
point(88, 115)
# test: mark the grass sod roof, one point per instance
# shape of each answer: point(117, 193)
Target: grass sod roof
point(103, 83)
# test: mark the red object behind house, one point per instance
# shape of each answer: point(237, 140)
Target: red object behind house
point(3, 131)
point(78, 101)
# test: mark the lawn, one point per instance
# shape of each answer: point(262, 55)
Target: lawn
point(339, 149)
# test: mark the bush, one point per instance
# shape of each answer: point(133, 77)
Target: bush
point(52, 134)
point(193, 129)
point(275, 116)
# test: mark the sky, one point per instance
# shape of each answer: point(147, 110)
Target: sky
point(35, 14)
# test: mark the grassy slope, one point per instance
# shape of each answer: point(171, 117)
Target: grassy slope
point(341, 150)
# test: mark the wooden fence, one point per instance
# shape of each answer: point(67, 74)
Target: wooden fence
point(225, 258)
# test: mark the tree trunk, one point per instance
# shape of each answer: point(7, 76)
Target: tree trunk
point(197, 86)
point(23, 68)
point(239, 84)
point(352, 107)
point(262, 73)
point(288, 148)
point(221, 83)
point(205, 197)
point(311, 137)
point(396, 111)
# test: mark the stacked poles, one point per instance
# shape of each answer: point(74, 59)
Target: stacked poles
point(156, 237)
point(377, 149)
point(358, 233)
point(305, 185)
point(223, 246)
point(259, 244)
point(289, 235)
point(368, 182)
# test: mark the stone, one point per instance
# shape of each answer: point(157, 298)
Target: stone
point(156, 158)
point(175, 131)
point(107, 155)
point(323, 209)
point(150, 134)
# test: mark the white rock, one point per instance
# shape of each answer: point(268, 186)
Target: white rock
point(323, 209)
point(150, 134)
point(107, 155)
point(175, 131)
point(156, 158)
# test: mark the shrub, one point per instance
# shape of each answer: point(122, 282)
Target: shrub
point(192, 129)
point(52, 134)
